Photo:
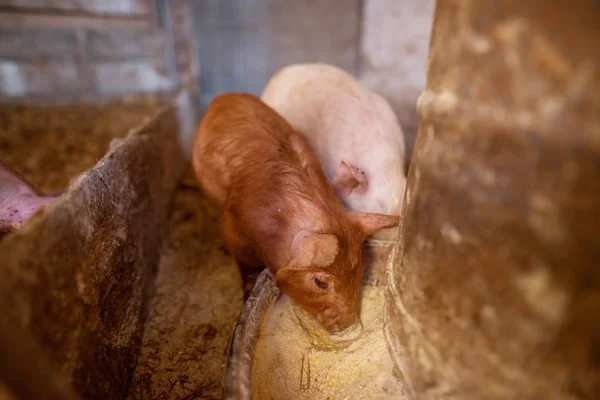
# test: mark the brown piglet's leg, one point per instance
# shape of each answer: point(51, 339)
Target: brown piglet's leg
point(249, 265)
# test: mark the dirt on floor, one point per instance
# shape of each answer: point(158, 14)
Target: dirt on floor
point(51, 145)
point(192, 315)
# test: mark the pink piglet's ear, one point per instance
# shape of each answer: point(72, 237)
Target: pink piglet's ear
point(348, 179)
point(371, 223)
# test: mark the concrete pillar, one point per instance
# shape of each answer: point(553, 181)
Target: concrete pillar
point(494, 284)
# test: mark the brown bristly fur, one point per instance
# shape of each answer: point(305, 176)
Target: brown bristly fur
point(278, 208)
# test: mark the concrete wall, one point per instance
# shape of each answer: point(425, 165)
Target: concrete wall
point(84, 49)
point(394, 49)
point(243, 42)
point(73, 50)
point(384, 42)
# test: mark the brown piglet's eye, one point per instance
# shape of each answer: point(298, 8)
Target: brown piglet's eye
point(320, 284)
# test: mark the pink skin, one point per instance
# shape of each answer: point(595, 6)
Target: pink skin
point(352, 130)
point(16, 211)
point(19, 201)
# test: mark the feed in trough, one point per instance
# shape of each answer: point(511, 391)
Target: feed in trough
point(294, 359)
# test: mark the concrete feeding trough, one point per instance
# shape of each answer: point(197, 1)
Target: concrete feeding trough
point(278, 352)
point(76, 279)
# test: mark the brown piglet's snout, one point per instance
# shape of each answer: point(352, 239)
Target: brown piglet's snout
point(330, 291)
point(323, 296)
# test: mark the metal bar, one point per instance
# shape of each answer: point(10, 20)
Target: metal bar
point(72, 21)
point(85, 70)
point(82, 10)
point(165, 21)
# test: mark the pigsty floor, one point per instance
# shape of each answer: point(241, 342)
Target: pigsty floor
point(192, 315)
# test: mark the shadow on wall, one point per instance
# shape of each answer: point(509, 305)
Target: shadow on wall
point(241, 43)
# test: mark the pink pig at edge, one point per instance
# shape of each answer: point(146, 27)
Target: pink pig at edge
point(19, 201)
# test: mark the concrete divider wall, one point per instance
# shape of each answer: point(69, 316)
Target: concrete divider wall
point(79, 276)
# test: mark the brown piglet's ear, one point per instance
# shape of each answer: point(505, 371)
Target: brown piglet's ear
point(312, 249)
point(348, 179)
point(371, 223)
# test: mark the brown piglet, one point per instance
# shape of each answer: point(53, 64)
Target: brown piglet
point(278, 210)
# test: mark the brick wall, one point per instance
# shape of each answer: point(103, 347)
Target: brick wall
point(94, 48)
point(85, 49)
point(382, 42)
